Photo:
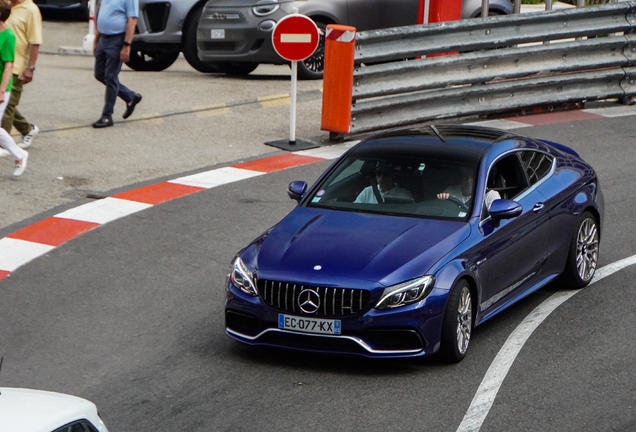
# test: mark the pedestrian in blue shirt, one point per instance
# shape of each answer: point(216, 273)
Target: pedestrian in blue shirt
point(116, 22)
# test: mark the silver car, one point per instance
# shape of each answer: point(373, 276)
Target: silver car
point(235, 36)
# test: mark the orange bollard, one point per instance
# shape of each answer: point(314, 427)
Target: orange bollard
point(340, 43)
point(432, 11)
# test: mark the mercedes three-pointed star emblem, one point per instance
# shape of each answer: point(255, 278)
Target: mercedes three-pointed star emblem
point(309, 301)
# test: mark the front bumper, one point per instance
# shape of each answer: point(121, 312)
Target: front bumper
point(409, 331)
point(245, 37)
point(160, 23)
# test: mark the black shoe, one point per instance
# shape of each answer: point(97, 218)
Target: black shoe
point(103, 122)
point(130, 106)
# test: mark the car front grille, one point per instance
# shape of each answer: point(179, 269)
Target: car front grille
point(334, 302)
point(223, 47)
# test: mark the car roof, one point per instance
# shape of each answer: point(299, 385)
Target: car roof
point(452, 142)
point(29, 410)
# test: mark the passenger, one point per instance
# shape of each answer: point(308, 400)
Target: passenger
point(385, 175)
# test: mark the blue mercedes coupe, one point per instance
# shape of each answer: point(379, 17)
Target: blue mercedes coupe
point(414, 237)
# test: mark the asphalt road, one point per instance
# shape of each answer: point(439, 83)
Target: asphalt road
point(129, 315)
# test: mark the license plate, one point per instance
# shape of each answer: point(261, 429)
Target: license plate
point(217, 34)
point(309, 325)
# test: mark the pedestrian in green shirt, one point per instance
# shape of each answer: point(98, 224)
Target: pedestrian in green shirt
point(7, 55)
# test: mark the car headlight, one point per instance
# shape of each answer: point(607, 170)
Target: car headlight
point(265, 7)
point(242, 277)
point(406, 292)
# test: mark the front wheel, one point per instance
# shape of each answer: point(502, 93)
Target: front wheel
point(83, 12)
point(582, 258)
point(189, 45)
point(458, 323)
point(151, 62)
point(313, 66)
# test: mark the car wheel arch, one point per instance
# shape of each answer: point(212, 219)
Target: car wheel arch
point(189, 16)
point(189, 46)
point(324, 19)
point(594, 211)
point(451, 274)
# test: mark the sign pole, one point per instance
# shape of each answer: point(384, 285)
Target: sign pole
point(295, 37)
point(292, 109)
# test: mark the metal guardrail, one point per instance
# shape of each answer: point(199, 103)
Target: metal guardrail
point(495, 66)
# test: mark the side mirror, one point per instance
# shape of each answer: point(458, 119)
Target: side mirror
point(504, 209)
point(296, 190)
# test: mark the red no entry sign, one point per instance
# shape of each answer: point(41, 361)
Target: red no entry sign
point(295, 37)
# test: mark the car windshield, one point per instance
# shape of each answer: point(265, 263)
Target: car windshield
point(414, 185)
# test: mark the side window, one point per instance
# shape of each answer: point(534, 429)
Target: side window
point(507, 177)
point(77, 426)
point(536, 164)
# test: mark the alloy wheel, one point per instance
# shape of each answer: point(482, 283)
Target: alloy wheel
point(587, 249)
point(464, 320)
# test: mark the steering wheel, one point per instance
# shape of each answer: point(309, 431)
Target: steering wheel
point(461, 205)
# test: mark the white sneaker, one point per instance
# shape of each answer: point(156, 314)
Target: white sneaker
point(27, 139)
point(4, 152)
point(20, 166)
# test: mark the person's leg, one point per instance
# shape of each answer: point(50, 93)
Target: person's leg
point(104, 62)
point(7, 119)
point(7, 143)
point(100, 62)
point(111, 73)
point(20, 156)
point(19, 122)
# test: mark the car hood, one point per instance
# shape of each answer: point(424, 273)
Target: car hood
point(318, 246)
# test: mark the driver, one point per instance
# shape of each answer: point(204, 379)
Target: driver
point(463, 191)
point(385, 174)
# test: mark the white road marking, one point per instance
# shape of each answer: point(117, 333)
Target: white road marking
point(104, 210)
point(15, 253)
point(620, 111)
point(487, 391)
point(217, 177)
point(327, 152)
point(501, 124)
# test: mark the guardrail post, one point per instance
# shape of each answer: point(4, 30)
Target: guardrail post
point(340, 43)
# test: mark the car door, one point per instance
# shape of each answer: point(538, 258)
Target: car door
point(514, 252)
point(374, 14)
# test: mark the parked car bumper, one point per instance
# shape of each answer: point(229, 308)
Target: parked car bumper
point(161, 22)
point(235, 34)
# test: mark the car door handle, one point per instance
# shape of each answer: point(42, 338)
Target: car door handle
point(538, 207)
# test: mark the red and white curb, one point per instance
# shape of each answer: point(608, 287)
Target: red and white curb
point(40, 238)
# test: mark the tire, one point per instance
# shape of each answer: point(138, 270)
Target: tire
point(313, 67)
point(490, 13)
point(151, 62)
point(189, 42)
point(236, 68)
point(84, 12)
point(457, 323)
point(582, 260)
